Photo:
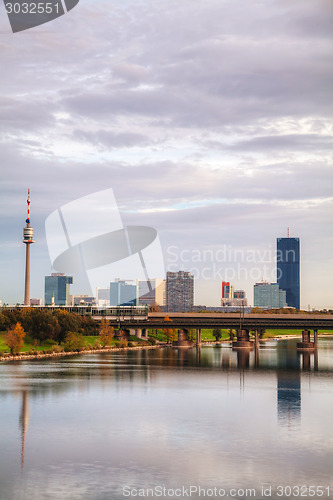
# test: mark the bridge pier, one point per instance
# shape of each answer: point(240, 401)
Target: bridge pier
point(243, 358)
point(256, 338)
point(138, 333)
point(198, 338)
point(183, 340)
point(315, 338)
point(144, 334)
point(306, 341)
point(243, 340)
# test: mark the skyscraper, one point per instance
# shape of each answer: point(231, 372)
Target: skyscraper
point(57, 287)
point(288, 269)
point(179, 291)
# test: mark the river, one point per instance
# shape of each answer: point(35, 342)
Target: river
point(169, 423)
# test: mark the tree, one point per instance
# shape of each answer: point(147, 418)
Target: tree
point(40, 324)
point(191, 334)
point(67, 322)
point(217, 333)
point(170, 333)
point(15, 338)
point(106, 333)
point(88, 325)
point(4, 322)
point(73, 342)
point(231, 334)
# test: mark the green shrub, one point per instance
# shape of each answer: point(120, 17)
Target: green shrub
point(73, 342)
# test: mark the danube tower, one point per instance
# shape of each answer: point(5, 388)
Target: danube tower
point(28, 234)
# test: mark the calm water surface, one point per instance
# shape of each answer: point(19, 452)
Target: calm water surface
point(112, 425)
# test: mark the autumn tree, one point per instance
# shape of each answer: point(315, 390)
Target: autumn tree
point(170, 333)
point(88, 325)
point(106, 333)
point(217, 333)
point(15, 338)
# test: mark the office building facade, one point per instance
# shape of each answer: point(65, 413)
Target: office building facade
point(179, 291)
point(151, 291)
point(57, 289)
point(123, 294)
point(227, 290)
point(103, 297)
point(268, 296)
point(288, 269)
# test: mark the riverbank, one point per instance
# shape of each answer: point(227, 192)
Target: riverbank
point(23, 357)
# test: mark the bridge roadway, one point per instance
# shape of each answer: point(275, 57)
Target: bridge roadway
point(225, 320)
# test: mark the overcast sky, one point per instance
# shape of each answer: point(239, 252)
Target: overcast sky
point(210, 119)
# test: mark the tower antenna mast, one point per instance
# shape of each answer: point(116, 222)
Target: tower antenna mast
point(28, 234)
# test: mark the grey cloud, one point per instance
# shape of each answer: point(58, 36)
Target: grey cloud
point(25, 114)
point(289, 142)
point(109, 139)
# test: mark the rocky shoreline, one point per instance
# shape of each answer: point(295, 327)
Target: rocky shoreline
point(20, 357)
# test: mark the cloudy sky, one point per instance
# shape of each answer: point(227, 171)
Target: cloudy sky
point(211, 120)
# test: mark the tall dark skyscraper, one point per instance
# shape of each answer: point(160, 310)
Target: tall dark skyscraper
point(288, 259)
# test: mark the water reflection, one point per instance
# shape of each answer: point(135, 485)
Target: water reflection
point(24, 421)
point(103, 420)
point(289, 383)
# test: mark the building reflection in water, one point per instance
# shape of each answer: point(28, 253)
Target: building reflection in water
point(24, 422)
point(288, 383)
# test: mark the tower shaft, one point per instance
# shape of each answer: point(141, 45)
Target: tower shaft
point(27, 276)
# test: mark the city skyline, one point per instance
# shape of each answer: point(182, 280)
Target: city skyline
point(227, 254)
point(211, 124)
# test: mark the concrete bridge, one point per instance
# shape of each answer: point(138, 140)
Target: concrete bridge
point(138, 320)
point(243, 324)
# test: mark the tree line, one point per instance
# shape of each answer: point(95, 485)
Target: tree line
point(63, 327)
